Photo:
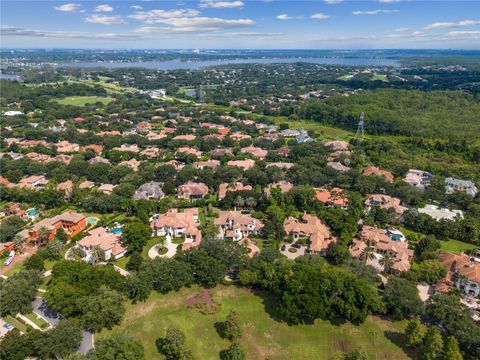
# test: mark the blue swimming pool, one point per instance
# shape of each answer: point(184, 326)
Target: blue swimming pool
point(116, 231)
point(92, 220)
point(32, 212)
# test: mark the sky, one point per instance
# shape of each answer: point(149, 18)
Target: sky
point(241, 24)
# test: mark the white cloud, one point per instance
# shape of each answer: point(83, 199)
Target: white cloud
point(468, 34)
point(103, 8)
point(67, 7)
point(195, 24)
point(221, 4)
point(288, 17)
point(157, 16)
point(241, 34)
point(6, 30)
point(389, 1)
point(136, 7)
point(319, 16)
point(402, 29)
point(105, 20)
point(373, 12)
point(448, 25)
point(332, 2)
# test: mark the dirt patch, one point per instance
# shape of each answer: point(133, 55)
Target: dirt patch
point(204, 302)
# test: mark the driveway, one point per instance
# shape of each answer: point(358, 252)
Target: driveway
point(40, 307)
point(172, 250)
point(19, 258)
point(293, 256)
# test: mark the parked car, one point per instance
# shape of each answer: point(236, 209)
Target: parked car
point(10, 258)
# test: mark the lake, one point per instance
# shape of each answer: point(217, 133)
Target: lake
point(194, 65)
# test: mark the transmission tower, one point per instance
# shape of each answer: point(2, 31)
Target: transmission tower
point(360, 128)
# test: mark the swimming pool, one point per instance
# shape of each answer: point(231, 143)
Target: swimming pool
point(116, 231)
point(92, 220)
point(32, 212)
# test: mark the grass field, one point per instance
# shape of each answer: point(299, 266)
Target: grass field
point(82, 100)
point(455, 246)
point(14, 322)
point(379, 77)
point(263, 336)
point(37, 320)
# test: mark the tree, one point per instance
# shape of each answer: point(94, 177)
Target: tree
point(135, 235)
point(173, 345)
point(415, 332)
point(430, 271)
point(18, 292)
point(18, 242)
point(207, 270)
point(34, 262)
point(102, 310)
point(367, 254)
point(427, 248)
point(96, 254)
point(402, 299)
point(63, 339)
point(387, 262)
point(232, 329)
point(274, 218)
point(357, 354)
point(433, 344)
point(135, 261)
point(61, 235)
point(117, 347)
point(451, 350)
point(234, 352)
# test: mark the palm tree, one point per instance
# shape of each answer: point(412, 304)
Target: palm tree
point(239, 202)
point(367, 254)
point(251, 202)
point(43, 235)
point(18, 242)
point(97, 254)
point(77, 253)
point(387, 262)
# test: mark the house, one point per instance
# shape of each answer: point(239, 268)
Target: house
point(99, 160)
point(455, 185)
point(212, 164)
point(213, 136)
point(283, 186)
point(71, 222)
point(337, 145)
point(332, 197)
point(188, 151)
point(97, 149)
point(418, 178)
point(178, 165)
point(373, 170)
point(109, 133)
point(133, 164)
point(67, 147)
point(66, 187)
point(337, 166)
point(310, 227)
point(33, 182)
point(291, 132)
point(179, 224)
point(38, 157)
point(218, 153)
point(385, 202)
point(192, 191)
point(238, 136)
point(283, 151)
point(303, 138)
point(151, 135)
point(107, 188)
point(63, 158)
point(254, 151)
point(127, 147)
point(244, 164)
point(224, 188)
point(440, 213)
point(185, 137)
point(86, 185)
point(6, 182)
point(236, 226)
point(109, 243)
point(150, 152)
point(462, 273)
point(281, 165)
point(148, 191)
point(381, 242)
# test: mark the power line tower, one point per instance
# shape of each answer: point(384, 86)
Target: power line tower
point(360, 128)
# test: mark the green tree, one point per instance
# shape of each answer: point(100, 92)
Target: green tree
point(18, 292)
point(451, 350)
point(173, 345)
point(135, 236)
point(34, 262)
point(415, 332)
point(274, 218)
point(102, 310)
point(433, 344)
point(234, 352)
point(232, 329)
point(117, 347)
point(61, 235)
point(63, 339)
point(402, 299)
point(134, 262)
point(427, 248)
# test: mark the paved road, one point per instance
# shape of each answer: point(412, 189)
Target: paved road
point(39, 306)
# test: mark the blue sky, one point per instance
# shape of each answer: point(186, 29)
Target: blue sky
point(261, 24)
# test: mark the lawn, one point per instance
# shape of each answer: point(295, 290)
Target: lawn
point(42, 324)
point(263, 336)
point(14, 322)
point(455, 246)
point(379, 77)
point(152, 241)
point(82, 100)
point(122, 262)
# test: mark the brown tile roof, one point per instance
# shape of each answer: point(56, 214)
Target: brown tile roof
point(335, 196)
point(373, 170)
point(385, 202)
point(284, 187)
point(244, 164)
point(225, 187)
point(311, 227)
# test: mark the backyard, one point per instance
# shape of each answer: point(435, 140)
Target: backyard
point(263, 336)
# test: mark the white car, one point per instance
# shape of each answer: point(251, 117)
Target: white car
point(9, 260)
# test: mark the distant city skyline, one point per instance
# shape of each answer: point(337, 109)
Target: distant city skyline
point(240, 24)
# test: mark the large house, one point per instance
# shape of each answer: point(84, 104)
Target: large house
point(462, 273)
point(283, 186)
point(332, 197)
point(418, 178)
point(382, 243)
point(225, 187)
point(148, 191)
point(110, 244)
point(373, 170)
point(456, 185)
point(235, 225)
point(310, 227)
point(385, 202)
point(71, 222)
point(33, 182)
point(244, 164)
point(440, 213)
point(178, 224)
point(254, 151)
point(192, 191)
